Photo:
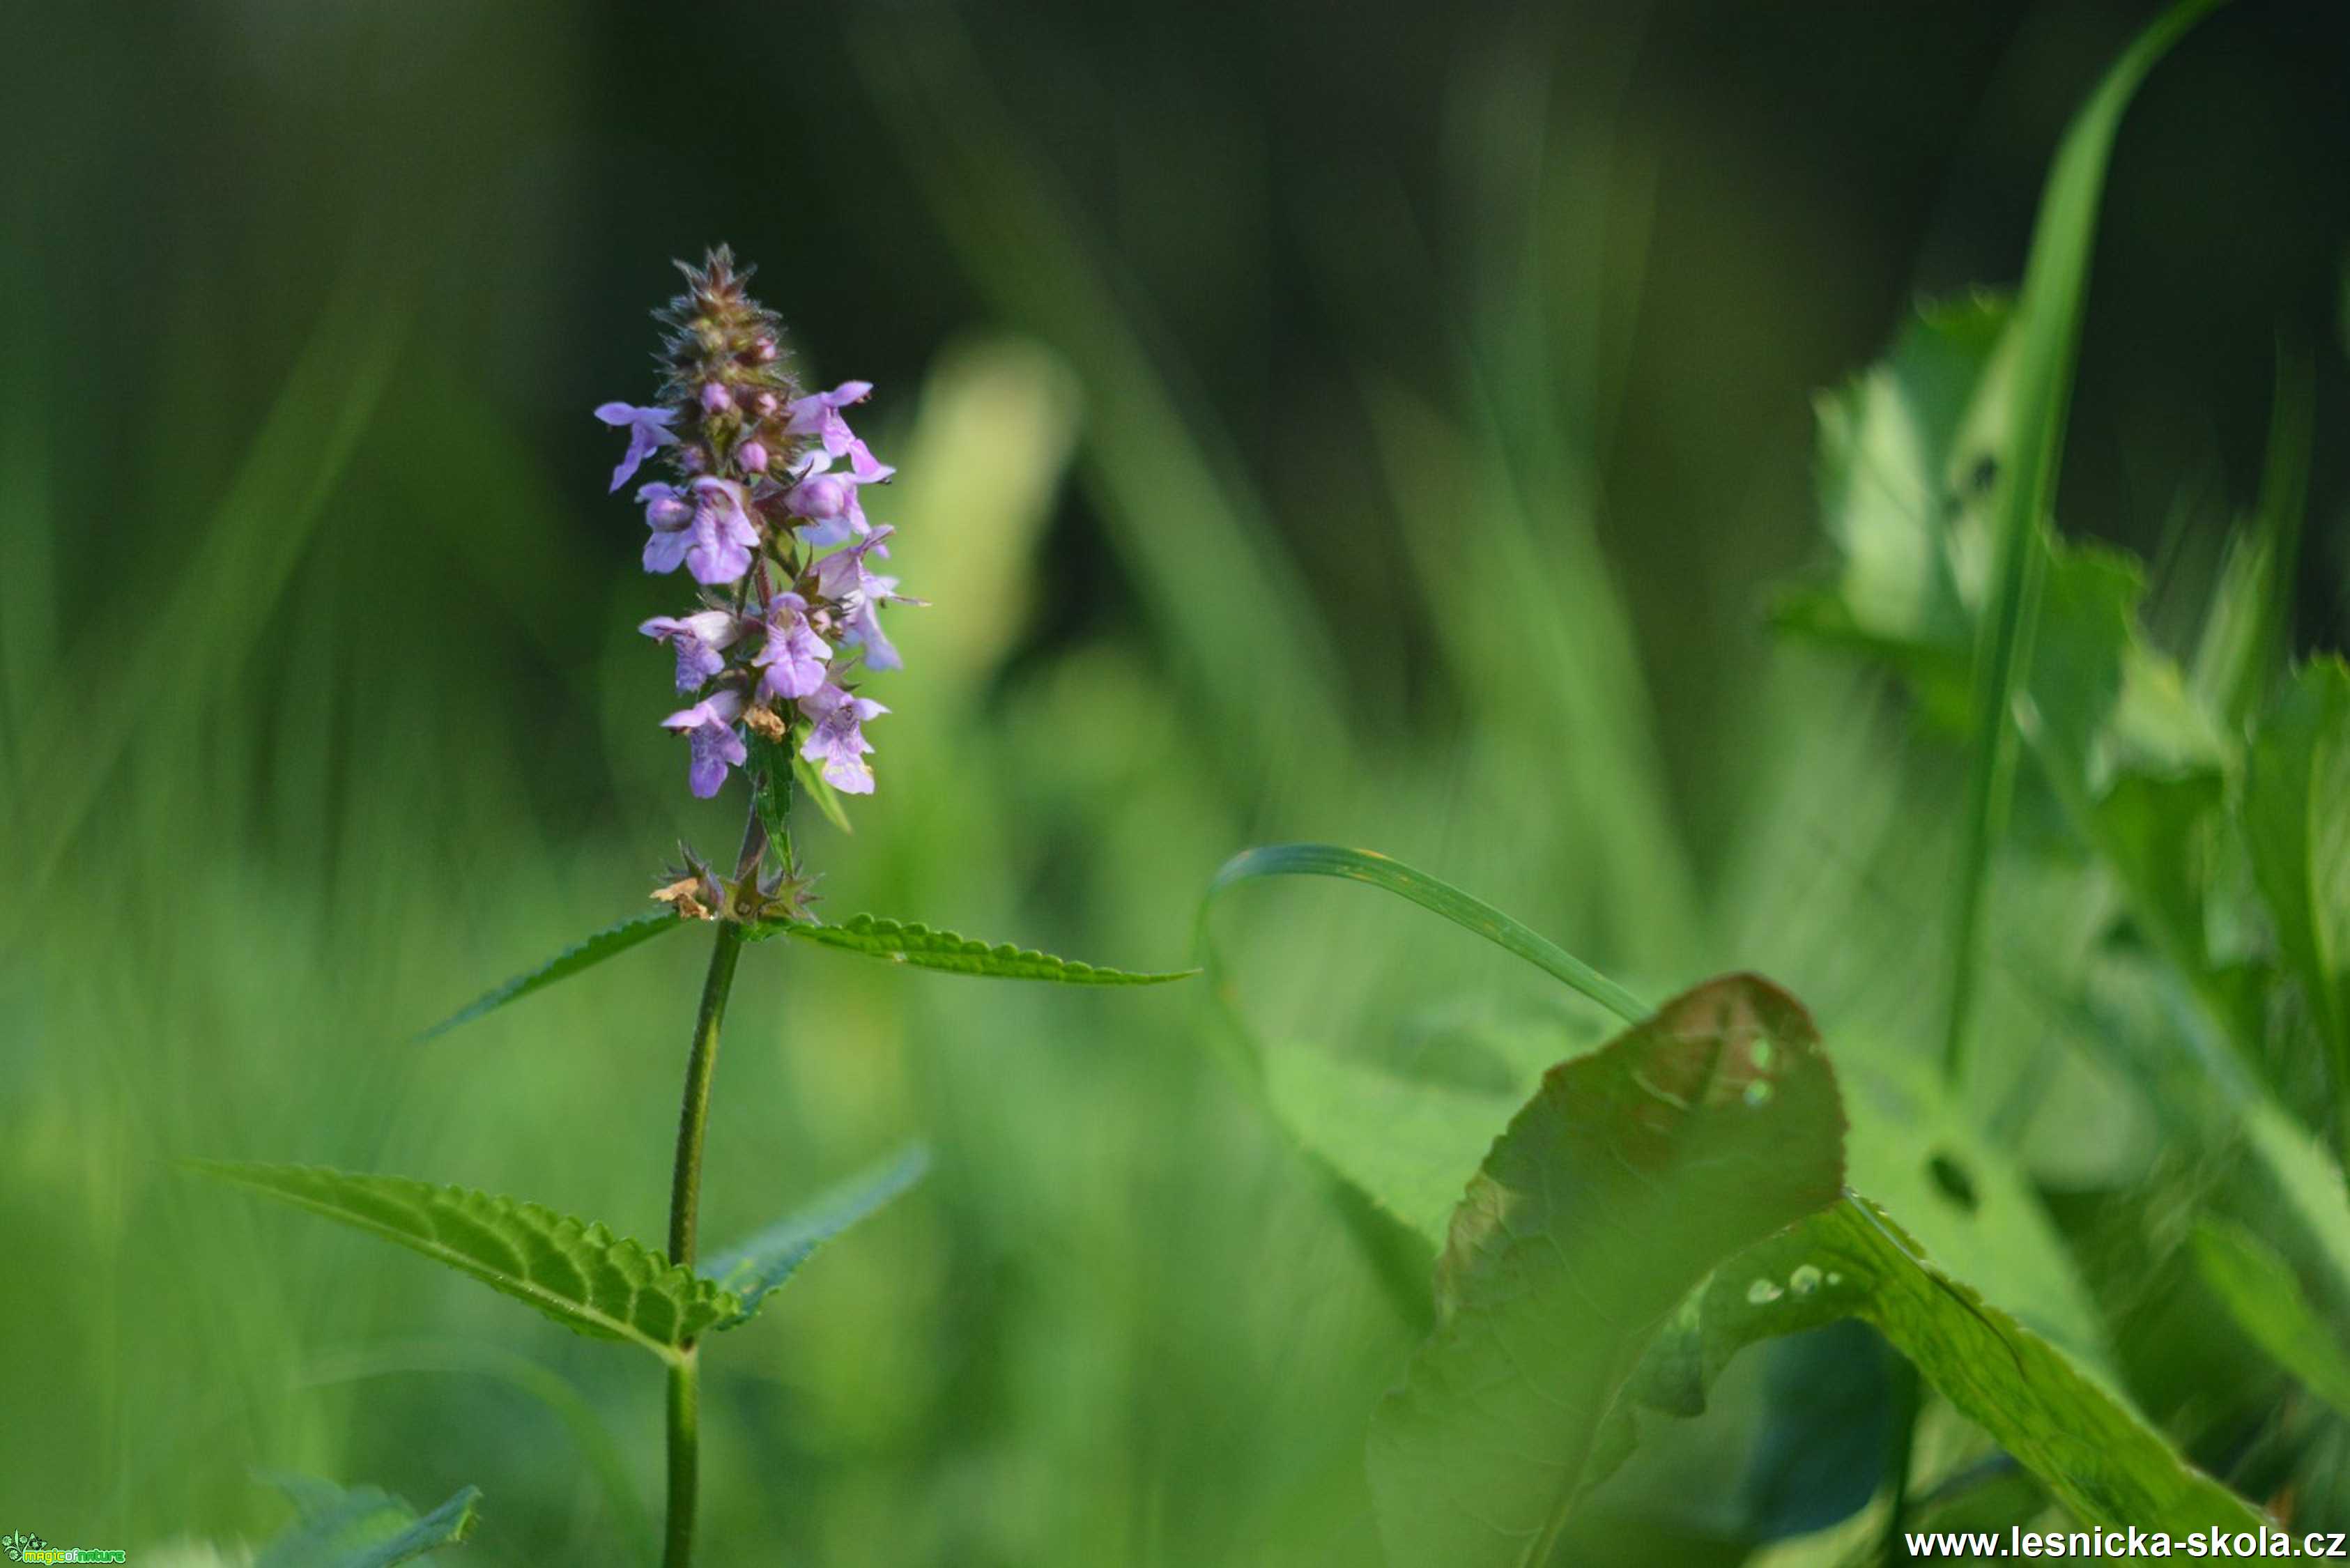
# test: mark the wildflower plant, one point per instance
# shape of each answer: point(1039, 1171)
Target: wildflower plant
point(762, 508)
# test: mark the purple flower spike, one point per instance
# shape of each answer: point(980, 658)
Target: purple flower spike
point(829, 501)
point(837, 743)
point(794, 656)
point(722, 533)
point(647, 432)
point(698, 639)
point(818, 414)
point(709, 726)
point(669, 515)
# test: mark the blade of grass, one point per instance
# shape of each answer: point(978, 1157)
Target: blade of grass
point(1430, 893)
point(2048, 331)
point(216, 606)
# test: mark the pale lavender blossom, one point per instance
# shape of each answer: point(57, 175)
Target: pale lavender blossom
point(838, 741)
point(647, 432)
point(793, 657)
point(698, 639)
point(723, 534)
point(709, 728)
point(669, 515)
point(843, 578)
point(829, 501)
point(715, 398)
point(752, 456)
point(818, 414)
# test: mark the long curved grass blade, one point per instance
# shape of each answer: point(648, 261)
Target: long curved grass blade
point(576, 1272)
point(2047, 329)
point(609, 942)
point(1430, 893)
point(755, 1269)
point(362, 1526)
point(903, 941)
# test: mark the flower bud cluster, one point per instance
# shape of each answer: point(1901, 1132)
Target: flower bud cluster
point(764, 511)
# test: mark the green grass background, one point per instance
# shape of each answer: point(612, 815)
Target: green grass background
point(1376, 426)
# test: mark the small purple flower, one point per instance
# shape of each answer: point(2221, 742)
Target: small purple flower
point(715, 398)
point(709, 727)
point(698, 639)
point(647, 430)
point(752, 456)
point(723, 534)
point(843, 576)
point(794, 656)
point(838, 741)
point(829, 501)
point(818, 414)
point(669, 514)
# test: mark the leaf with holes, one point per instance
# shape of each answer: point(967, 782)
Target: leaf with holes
point(756, 1268)
point(1632, 1173)
point(609, 942)
point(2094, 1453)
point(907, 943)
point(576, 1273)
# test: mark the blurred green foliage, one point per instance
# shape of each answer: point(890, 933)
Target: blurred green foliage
point(1379, 428)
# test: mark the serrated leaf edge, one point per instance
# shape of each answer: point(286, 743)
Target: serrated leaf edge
point(247, 1174)
point(912, 942)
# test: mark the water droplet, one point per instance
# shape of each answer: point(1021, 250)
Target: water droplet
point(1834, 1278)
point(1804, 1280)
point(1762, 1292)
point(1759, 1092)
point(1762, 1052)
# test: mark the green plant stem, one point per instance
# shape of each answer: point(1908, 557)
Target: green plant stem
point(684, 1203)
point(684, 1455)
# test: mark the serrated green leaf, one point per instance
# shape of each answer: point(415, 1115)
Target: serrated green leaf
point(609, 942)
point(362, 1527)
point(754, 1269)
point(2296, 781)
point(1430, 893)
point(909, 943)
point(576, 1272)
point(1633, 1172)
point(2261, 1292)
